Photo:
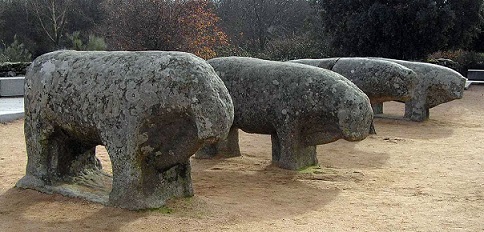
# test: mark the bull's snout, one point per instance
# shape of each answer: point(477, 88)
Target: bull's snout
point(214, 117)
point(355, 120)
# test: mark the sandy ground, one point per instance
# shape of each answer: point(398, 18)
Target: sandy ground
point(409, 177)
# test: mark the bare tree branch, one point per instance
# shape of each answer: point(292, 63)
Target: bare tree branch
point(52, 17)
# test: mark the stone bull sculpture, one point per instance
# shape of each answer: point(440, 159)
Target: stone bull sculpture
point(300, 106)
point(436, 85)
point(152, 111)
point(380, 80)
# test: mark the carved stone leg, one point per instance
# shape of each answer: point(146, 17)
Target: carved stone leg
point(372, 128)
point(38, 173)
point(377, 108)
point(289, 153)
point(153, 165)
point(138, 184)
point(207, 151)
point(230, 147)
point(276, 149)
point(415, 110)
point(225, 148)
point(55, 157)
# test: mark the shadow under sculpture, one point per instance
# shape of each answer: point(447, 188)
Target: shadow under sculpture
point(380, 80)
point(436, 84)
point(300, 106)
point(152, 111)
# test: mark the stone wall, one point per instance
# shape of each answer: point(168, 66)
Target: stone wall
point(13, 69)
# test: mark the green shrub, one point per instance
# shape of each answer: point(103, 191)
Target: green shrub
point(94, 43)
point(76, 42)
point(15, 52)
point(230, 50)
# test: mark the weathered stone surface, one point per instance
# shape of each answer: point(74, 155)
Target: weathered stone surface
point(12, 69)
point(436, 85)
point(380, 80)
point(450, 64)
point(300, 106)
point(152, 111)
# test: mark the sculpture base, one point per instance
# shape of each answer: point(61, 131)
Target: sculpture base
point(97, 186)
point(93, 186)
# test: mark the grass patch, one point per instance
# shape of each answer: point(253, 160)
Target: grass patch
point(162, 210)
point(311, 169)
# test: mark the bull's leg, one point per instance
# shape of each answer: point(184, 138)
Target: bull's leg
point(139, 184)
point(226, 148)
point(415, 110)
point(53, 156)
point(38, 173)
point(208, 151)
point(276, 149)
point(153, 165)
point(289, 152)
point(372, 127)
point(230, 146)
point(377, 108)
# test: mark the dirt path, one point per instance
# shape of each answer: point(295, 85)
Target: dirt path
point(410, 177)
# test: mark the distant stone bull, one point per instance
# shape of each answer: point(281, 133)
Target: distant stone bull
point(436, 85)
point(380, 80)
point(298, 105)
point(152, 111)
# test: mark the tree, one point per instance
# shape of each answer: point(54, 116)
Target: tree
point(2, 10)
point(189, 26)
point(93, 43)
point(468, 22)
point(15, 52)
point(42, 25)
point(85, 16)
point(397, 29)
point(200, 33)
point(251, 24)
point(52, 17)
point(478, 43)
point(16, 22)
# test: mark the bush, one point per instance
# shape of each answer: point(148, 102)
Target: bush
point(94, 43)
point(465, 60)
point(15, 52)
point(12, 69)
point(452, 55)
point(472, 60)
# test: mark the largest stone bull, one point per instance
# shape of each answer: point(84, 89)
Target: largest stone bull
point(152, 111)
point(300, 106)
